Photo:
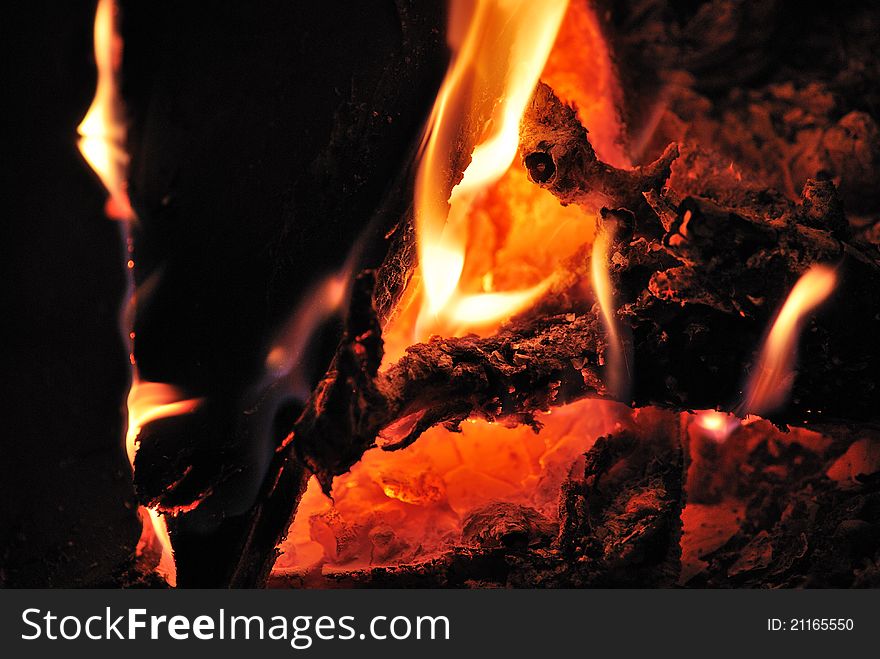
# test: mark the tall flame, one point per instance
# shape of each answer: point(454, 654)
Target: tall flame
point(773, 378)
point(102, 144)
point(496, 63)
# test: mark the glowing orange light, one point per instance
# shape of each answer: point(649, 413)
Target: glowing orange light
point(102, 139)
point(102, 131)
point(717, 425)
point(771, 382)
point(486, 250)
point(618, 380)
point(499, 55)
point(149, 401)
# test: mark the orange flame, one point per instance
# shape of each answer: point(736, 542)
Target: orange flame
point(149, 401)
point(102, 144)
point(618, 377)
point(496, 64)
point(102, 131)
point(717, 425)
point(486, 251)
point(770, 385)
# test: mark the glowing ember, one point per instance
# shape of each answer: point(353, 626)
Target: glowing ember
point(408, 505)
point(772, 380)
point(717, 425)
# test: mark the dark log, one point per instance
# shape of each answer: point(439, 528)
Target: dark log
point(245, 204)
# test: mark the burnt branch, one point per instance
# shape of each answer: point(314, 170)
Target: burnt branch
point(559, 157)
point(526, 368)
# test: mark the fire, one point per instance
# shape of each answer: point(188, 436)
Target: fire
point(102, 144)
point(773, 377)
point(408, 505)
point(496, 63)
point(149, 401)
point(717, 425)
point(285, 358)
point(487, 250)
point(102, 131)
point(618, 380)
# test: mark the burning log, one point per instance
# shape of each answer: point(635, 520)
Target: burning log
point(698, 284)
point(698, 279)
point(696, 318)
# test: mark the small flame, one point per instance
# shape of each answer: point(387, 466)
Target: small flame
point(500, 56)
point(773, 378)
point(285, 357)
point(618, 378)
point(102, 131)
point(149, 401)
point(717, 425)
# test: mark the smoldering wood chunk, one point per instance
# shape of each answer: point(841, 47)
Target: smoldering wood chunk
point(811, 510)
point(500, 524)
point(821, 208)
point(753, 455)
point(558, 155)
point(524, 369)
point(507, 377)
point(621, 522)
point(816, 536)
